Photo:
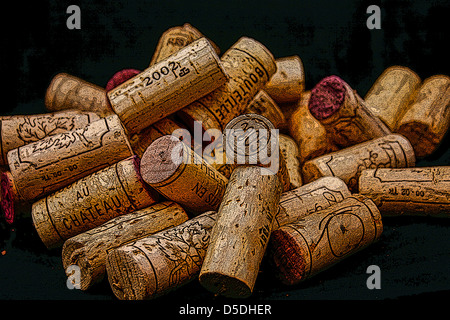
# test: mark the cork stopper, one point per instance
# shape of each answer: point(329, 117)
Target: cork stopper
point(120, 77)
point(158, 160)
point(9, 196)
point(327, 97)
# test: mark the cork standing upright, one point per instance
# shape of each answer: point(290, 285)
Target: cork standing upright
point(241, 233)
point(167, 86)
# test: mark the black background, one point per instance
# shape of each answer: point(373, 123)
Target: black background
point(331, 37)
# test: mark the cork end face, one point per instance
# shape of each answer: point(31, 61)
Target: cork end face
point(224, 285)
point(7, 197)
point(327, 97)
point(161, 159)
point(131, 282)
point(120, 77)
point(287, 257)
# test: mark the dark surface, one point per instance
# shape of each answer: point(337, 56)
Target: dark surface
point(330, 37)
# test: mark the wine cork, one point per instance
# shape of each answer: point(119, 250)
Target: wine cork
point(159, 263)
point(249, 65)
point(251, 139)
point(264, 105)
point(175, 38)
point(177, 172)
point(323, 238)
point(143, 139)
point(310, 135)
point(241, 233)
point(392, 151)
point(19, 130)
point(390, 95)
point(288, 82)
point(343, 113)
point(91, 201)
point(289, 150)
point(427, 119)
point(311, 197)
point(44, 166)
point(69, 92)
point(408, 191)
point(167, 86)
point(11, 202)
point(89, 249)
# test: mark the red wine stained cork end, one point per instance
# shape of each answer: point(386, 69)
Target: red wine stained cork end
point(327, 97)
point(287, 257)
point(158, 163)
point(7, 194)
point(120, 77)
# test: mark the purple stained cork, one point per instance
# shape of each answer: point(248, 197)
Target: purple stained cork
point(120, 77)
point(327, 97)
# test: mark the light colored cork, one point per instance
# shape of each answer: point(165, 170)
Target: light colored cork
point(47, 165)
point(428, 117)
point(241, 233)
point(288, 83)
point(303, 249)
point(264, 105)
point(390, 95)
point(177, 172)
point(289, 150)
point(19, 130)
point(157, 264)
point(423, 191)
point(91, 201)
point(175, 38)
point(392, 151)
point(249, 65)
point(69, 92)
point(311, 197)
point(167, 86)
point(89, 249)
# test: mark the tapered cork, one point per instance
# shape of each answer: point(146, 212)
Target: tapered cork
point(428, 117)
point(289, 150)
point(89, 249)
point(167, 86)
point(44, 166)
point(69, 92)
point(157, 264)
point(392, 151)
point(390, 95)
point(91, 201)
point(323, 238)
point(249, 65)
point(177, 172)
point(343, 113)
point(241, 233)
point(422, 191)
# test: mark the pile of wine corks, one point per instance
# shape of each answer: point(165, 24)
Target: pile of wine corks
point(112, 177)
